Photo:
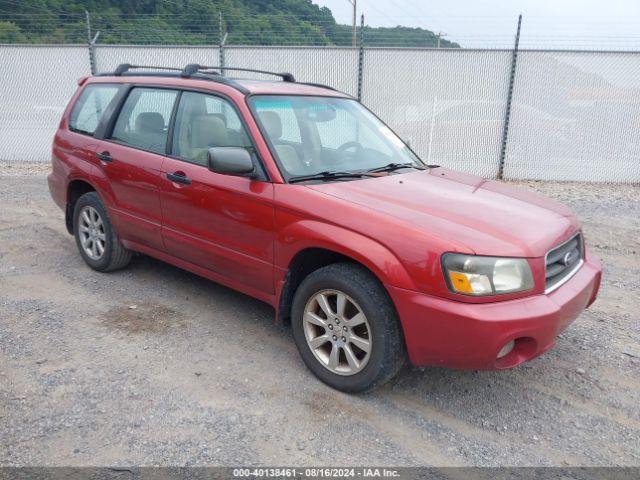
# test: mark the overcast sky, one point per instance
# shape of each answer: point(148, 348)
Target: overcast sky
point(546, 23)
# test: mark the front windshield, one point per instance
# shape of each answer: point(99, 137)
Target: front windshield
point(309, 135)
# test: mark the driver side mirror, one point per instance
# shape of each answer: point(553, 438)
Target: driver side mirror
point(234, 161)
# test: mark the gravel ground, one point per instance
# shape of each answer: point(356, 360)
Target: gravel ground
point(156, 366)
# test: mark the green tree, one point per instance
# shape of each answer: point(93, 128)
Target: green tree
point(11, 33)
point(247, 22)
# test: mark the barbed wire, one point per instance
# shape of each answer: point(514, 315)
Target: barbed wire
point(194, 28)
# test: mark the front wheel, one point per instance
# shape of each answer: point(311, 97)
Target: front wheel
point(346, 328)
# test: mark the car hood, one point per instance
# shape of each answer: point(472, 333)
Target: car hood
point(488, 217)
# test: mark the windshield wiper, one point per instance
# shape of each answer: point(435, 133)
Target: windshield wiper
point(390, 167)
point(327, 175)
point(331, 174)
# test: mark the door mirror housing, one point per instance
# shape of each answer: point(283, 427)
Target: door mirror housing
point(231, 161)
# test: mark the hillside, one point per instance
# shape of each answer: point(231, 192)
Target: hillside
point(246, 22)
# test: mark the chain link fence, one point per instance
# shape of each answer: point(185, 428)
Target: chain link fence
point(448, 104)
point(108, 57)
point(36, 82)
point(574, 116)
point(337, 67)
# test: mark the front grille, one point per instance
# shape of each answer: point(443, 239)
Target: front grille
point(563, 261)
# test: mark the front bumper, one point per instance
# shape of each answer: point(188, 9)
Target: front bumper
point(469, 336)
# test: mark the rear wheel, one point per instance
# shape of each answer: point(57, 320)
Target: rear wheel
point(346, 328)
point(96, 239)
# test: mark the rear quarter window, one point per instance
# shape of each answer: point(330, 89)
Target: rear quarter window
point(90, 107)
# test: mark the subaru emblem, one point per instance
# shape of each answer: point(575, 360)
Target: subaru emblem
point(569, 257)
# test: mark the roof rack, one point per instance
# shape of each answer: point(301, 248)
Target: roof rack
point(125, 67)
point(195, 68)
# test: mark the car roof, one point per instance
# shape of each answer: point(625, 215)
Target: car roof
point(217, 83)
point(264, 87)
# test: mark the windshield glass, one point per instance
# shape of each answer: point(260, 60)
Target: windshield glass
point(309, 135)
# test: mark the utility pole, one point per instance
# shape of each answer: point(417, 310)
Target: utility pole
point(353, 29)
point(439, 35)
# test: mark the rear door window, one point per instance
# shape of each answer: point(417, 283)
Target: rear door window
point(89, 108)
point(144, 119)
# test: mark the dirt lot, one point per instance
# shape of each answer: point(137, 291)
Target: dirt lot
point(153, 365)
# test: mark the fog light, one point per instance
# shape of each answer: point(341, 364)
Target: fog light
point(504, 351)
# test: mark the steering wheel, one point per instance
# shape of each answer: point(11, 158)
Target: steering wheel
point(342, 149)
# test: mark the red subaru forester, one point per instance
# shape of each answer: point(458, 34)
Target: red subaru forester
point(299, 196)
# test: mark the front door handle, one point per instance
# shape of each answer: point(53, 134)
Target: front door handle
point(105, 156)
point(179, 177)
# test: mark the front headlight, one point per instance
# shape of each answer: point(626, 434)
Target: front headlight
point(478, 276)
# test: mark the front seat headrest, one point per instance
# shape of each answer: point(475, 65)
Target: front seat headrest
point(272, 124)
point(149, 122)
point(208, 131)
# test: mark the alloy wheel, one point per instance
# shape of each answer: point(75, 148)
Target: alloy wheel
point(337, 332)
point(91, 231)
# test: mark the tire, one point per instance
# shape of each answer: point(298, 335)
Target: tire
point(362, 293)
point(90, 214)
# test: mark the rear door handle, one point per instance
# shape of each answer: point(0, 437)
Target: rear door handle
point(179, 177)
point(105, 156)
